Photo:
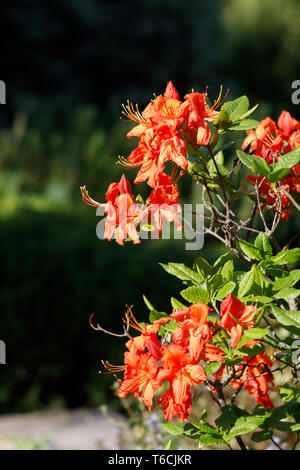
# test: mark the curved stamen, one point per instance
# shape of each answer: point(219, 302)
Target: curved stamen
point(133, 113)
point(111, 368)
point(218, 102)
point(87, 199)
point(124, 163)
point(131, 320)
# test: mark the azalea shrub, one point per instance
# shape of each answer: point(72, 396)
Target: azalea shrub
point(230, 331)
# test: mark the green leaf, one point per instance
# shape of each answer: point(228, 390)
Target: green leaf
point(244, 425)
point(225, 290)
point(262, 242)
point(209, 439)
point(195, 294)
point(170, 446)
point(203, 267)
point(233, 110)
point(256, 164)
point(212, 368)
point(289, 393)
point(277, 175)
point(227, 270)
point(245, 158)
point(292, 329)
point(262, 299)
point(244, 125)
point(287, 317)
point(246, 283)
point(250, 250)
point(260, 166)
point(287, 257)
point(219, 159)
point(183, 272)
point(201, 432)
point(154, 315)
point(251, 351)
point(204, 433)
point(222, 259)
point(260, 280)
point(288, 160)
point(281, 412)
point(256, 333)
point(252, 333)
point(174, 428)
point(176, 304)
point(249, 112)
point(287, 294)
point(288, 281)
point(233, 362)
point(228, 417)
point(295, 427)
point(215, 282)
point(148, 303)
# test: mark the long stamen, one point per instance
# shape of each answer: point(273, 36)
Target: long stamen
point(131, 320)
point(124, 163)
point(133, 113)
point(87, 199)
point(268, 139)
point(112, 369)
point(218, 102)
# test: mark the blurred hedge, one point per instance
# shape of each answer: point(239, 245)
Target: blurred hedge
point(55, 273)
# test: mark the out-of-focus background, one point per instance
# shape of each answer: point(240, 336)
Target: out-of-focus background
point(68, 66)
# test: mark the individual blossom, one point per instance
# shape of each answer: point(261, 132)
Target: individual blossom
point(200, 114)
point(236, 317)
point(163, 204)
point(181, 372)
point(140, 378)
point(122, 212)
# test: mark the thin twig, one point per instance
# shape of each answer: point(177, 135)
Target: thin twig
point(99, 328)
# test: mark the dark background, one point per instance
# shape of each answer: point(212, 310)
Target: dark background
point(68, 66)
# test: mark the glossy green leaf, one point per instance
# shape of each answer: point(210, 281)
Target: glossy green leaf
point(287, 257)
point(183, 272)
point(176, 304)
point(225, 290)
point(287, 317)
point(195, 294)
point(244, 425)
point(244, 125)
point(246, 283)
point(262, 242)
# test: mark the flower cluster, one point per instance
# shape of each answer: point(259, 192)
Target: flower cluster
point(270, 141)
point(150, 361)
point(165, 129)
